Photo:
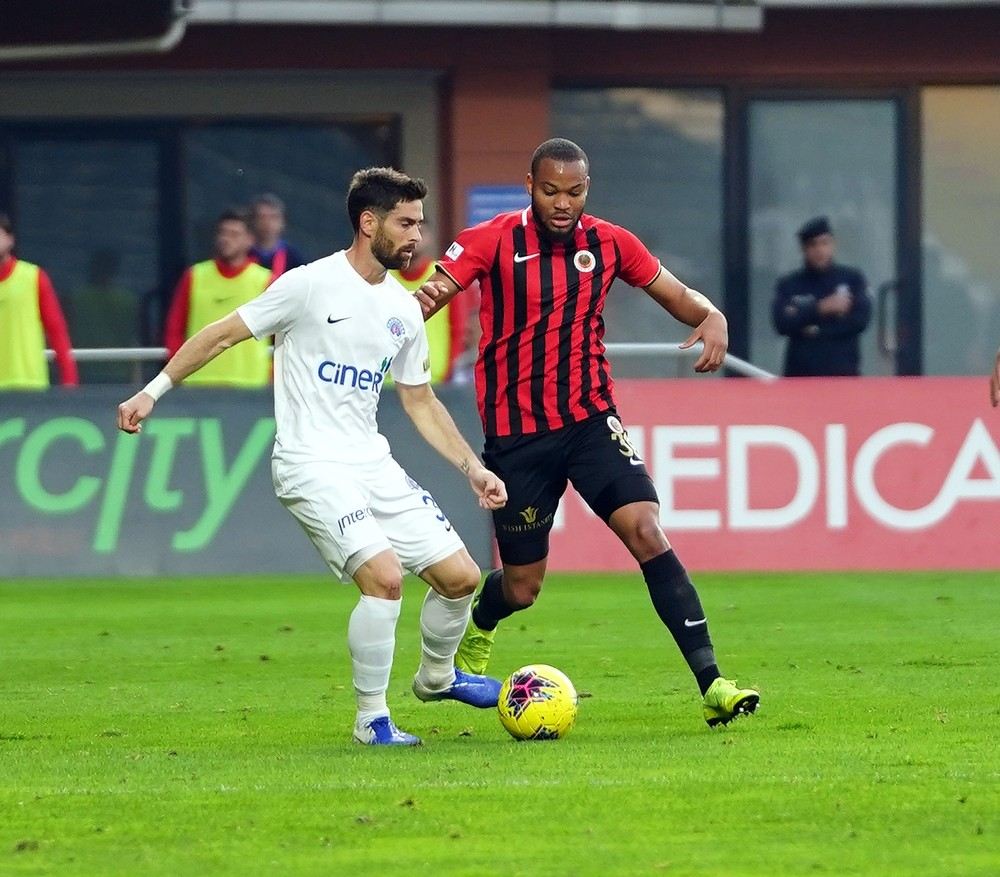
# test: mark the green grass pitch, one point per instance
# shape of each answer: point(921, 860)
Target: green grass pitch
point(203, 727)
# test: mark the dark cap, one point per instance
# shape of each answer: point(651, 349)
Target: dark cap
point(814, 228)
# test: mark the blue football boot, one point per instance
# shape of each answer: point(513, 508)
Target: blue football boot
point(468, 688)
point(380, 731)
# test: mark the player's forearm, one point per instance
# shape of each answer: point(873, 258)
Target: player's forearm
point(692, 308)
point(437, 428)
point(200, 349)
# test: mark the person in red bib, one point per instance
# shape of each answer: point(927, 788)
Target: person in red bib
point(210, 290)
point(270, 249)
point(29, 314)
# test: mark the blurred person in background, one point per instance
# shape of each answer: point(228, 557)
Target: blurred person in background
point(822, 308)
point(447, 329)
point(29, 314)
point(270, 249)
point(210, 290)
point(105, 314)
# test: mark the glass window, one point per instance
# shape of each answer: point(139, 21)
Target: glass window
point(656, 168)
point(307, 166)
point(820, 157)
point(88, 213)
point(961, 228)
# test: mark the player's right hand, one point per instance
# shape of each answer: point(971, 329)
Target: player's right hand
point(429, 293)
point(133, 411)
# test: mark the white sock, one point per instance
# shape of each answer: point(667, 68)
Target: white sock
point(371, 637)
point(442, 624)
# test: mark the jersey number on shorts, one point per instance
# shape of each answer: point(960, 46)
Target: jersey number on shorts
point(429, 500)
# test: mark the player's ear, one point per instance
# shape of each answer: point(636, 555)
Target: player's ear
point(368, 223)
point(528, 182)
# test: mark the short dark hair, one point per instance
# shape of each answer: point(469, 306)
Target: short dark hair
point(559, 149)
point(380, 189)
point(269, 199)
point(6, 223)
point(234, 214)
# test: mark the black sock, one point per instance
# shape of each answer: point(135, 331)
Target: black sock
point(492, 607)
point(676, 602)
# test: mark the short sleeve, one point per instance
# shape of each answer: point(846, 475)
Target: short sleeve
point(412, 365)
point(471, 254)
point(279, 306)
point(639, 267)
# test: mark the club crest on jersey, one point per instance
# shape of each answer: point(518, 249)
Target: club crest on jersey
point(584, 261)
point(396, 327)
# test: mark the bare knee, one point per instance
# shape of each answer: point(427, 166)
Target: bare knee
point(462, 580)
point(644, 538)
point(386, 585)
point(455, 576)
point(521, 590)
point(381, 577)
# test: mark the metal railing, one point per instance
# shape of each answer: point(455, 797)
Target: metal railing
point(154, 354)
point(733, 363)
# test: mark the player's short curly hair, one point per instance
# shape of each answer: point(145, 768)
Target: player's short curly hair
point(559, 149)
point(380, 189)
point(234, 214)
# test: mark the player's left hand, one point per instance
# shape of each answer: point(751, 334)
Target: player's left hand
point(490, 489)
point(713, 332)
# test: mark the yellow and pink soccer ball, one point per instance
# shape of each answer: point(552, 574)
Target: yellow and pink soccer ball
point(537, 702)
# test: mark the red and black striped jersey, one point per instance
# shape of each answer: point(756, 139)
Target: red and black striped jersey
point(541, 359)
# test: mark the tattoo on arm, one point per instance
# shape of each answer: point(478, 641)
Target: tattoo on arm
point(466, 466)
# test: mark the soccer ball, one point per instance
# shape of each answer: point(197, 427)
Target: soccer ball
point(537, 702)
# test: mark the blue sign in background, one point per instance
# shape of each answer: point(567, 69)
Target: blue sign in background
point(485, 202)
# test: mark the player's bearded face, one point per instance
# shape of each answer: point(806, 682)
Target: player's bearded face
point(395, 240)
point(558, 196)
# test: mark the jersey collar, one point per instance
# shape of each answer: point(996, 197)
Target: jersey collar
point(7, 267)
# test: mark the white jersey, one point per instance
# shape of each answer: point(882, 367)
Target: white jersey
point(336, 338)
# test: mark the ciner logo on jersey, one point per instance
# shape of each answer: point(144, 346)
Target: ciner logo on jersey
point(346, 375)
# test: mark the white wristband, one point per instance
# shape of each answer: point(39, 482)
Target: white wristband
point(158, 386)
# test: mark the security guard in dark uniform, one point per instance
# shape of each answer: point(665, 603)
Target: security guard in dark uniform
point(822, 308)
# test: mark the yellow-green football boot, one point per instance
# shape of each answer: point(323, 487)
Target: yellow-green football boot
point(724, 702)
point(475, 649)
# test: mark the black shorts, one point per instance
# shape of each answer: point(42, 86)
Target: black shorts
point(594, 454)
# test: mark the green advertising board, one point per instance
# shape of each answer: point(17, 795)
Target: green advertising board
point(191, 494)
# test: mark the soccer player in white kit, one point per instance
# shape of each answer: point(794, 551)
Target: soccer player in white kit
point(340, 325)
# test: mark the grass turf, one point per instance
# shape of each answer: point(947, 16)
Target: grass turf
point(203, 727)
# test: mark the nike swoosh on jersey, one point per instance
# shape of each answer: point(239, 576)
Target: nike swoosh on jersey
point(331, 320)
point(688, 623)
point(519, 258)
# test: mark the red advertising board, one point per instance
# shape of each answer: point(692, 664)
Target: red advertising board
point(843, 473)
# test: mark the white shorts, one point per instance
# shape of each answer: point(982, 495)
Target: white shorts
point(352, 512)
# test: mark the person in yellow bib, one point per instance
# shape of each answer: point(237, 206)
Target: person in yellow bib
point(446, 330)
point(210, 290)
point(29, 314)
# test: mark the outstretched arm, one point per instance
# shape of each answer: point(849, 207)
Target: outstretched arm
point(693, 309)
point(434, 423)
point(199, 349)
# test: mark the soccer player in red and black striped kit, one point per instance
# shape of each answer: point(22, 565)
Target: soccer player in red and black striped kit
point(546, 399)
